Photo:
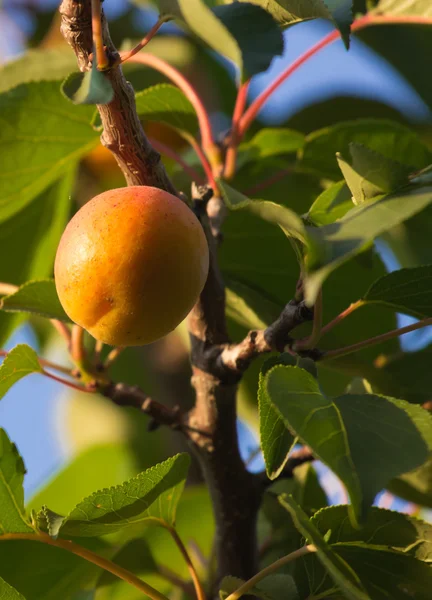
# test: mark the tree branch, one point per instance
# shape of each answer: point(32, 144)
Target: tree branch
point(122, 130)
point(237, 357)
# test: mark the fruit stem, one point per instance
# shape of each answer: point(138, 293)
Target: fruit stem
point(231, 154)
point(209, 146)
point(112, 356)
point(89, 556)
point(77, 347)
point(102, 61)
point(360, 23)
point(127, 55)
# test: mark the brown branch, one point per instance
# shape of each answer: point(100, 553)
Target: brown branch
point(122, 131)
point(237, 357)
point(123, 394)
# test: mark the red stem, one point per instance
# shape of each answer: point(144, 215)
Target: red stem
point(70, 384)
point(360, 23)
point(343, 315)
point(127, 55)
point(208, 143)
point(206, 165)
point(231, 155)
point(262, 185)
point(163, 149)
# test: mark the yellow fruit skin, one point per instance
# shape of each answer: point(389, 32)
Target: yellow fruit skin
point(130, 265)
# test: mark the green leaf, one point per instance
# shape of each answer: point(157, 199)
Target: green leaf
point(333, 244)
point(331, 205)
point(12, 515)
point(37, 64)
point(276, 440)
point(269, 142)
point(249, 306)
point(245, 33)
point(421, 8)
point(42, 572)
point(348, 433)
point(36, 297)
point(370, 173)
point(286, 219)
point(42, 135)
point(415, 486)
point(390, 554)
point(91, 87)
point(96, 467)
point(407, 290)
point(382, 528)
point(29, 239)
point(136, 557)
point(7, 592)
point(287, 12)
point(19, 362)
point(167, 104)
point(278, 586)
point(151, 496)
point(338, 569)
point(390, 139)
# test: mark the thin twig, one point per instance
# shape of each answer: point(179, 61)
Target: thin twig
point(175, 580)
point(375, 340)
point(345, 313)
point(89, 556)
point(102, 61)
point(206, 165)
point(266, 183)
point(366, 21)
point(71, 384)
point(195, 579)
point(231, 154)
point(164, 149)
point(124, 56)
point(63, 330)
point(209, 146)
point(248, 585)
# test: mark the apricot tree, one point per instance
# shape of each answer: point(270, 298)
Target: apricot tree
point(267, 235)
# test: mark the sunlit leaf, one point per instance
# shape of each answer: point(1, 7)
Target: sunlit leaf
point(36, 297)
point(20, 361)
point(12, 515)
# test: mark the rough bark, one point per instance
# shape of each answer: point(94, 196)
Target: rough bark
point(122, 130)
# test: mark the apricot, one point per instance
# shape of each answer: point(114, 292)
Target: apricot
point(131, 264)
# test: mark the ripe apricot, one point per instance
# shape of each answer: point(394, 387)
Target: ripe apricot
point(131, 264)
